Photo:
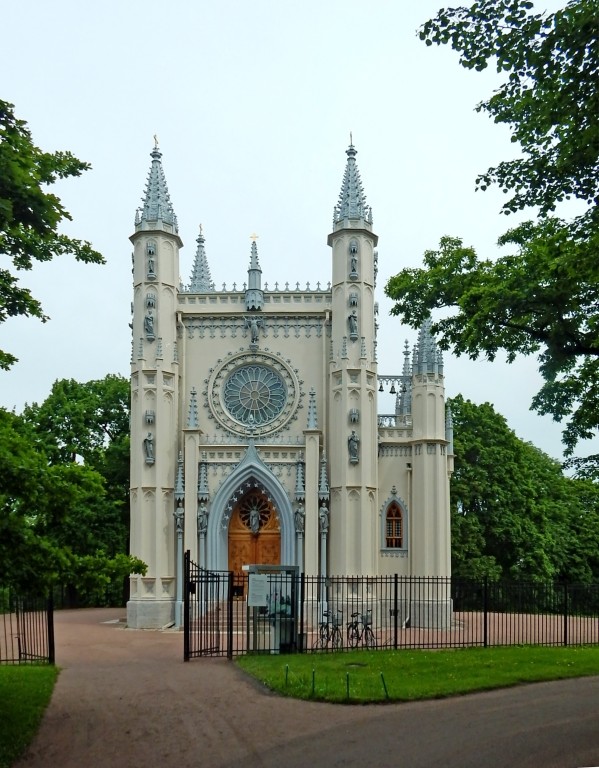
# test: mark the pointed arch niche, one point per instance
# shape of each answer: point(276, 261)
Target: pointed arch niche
point(251, 472)
point(394, 526)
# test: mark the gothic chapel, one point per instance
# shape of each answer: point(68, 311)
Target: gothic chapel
point(255, 434)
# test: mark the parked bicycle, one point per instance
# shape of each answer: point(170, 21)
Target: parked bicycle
point(329, 631)
point(359, 630)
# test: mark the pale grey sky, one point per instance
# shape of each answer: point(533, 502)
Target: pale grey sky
point(253, 103)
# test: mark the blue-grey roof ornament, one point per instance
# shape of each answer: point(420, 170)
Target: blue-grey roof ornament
point(300, 488)
point(203, 491)
point(193, 421)
point(312, 414)
point(403, 400)
point(352, 200)
point(449, 430)
point(201, 280)
point(156, 203)
point(254, 295)
point(323, 488)
point(180, 482)
point(427, 357)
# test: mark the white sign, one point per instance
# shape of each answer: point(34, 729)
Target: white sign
point(258, 588)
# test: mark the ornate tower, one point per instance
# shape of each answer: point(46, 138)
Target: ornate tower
point(154, 402)
point(432, 461)
point(352, 393)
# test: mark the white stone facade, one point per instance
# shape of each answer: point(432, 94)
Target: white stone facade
point(254, 415)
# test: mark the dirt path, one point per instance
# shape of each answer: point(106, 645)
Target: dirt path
point(125, 699)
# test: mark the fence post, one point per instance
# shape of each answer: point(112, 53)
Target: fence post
point(230, 616)
point(186, 608)
point(50, 621)
point(395, 610)
point(485, 611)
point(302, 598)
point(565, 613)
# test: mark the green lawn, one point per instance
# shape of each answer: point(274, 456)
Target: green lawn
point(407, 675)
point(25, 691)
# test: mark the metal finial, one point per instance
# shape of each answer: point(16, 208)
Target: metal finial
point(254, 236)
point(155, 141)
point(351, 140)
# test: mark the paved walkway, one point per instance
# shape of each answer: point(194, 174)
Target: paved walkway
point(126, 699)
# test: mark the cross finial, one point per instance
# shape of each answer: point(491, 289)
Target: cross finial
point(253, 236)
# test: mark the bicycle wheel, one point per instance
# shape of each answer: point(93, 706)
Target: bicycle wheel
point(321, 639)
point(353, 635)
point(337, 639)
point(369, 639)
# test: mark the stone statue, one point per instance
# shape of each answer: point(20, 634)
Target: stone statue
point(253, 323)
point(149, 448)
point(353, 258)
point(179, 516)
point(254, 520)
point(353, 446)
point(323, 516)
point(202, 519)
point(299, 519)
point(352, 321)
point(149, 324)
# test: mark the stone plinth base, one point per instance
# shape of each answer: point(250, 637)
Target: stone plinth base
point(150, 614)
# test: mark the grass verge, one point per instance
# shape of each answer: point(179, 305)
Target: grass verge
point(25, 691)
point(363, 677)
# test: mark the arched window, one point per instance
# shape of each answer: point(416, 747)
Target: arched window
point(394, 529)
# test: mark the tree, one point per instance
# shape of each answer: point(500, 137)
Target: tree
point(550, 99)
point(514, 514)
point(30, 215)
point(57, 524)
point(544, 298)
point(87, 424)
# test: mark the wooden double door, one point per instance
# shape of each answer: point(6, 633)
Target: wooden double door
point(254, 532)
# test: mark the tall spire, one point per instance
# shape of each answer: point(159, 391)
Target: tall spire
point(403, 401)
point(201, 280)
point(352, 200)
point(157, 204)
point(254, 296)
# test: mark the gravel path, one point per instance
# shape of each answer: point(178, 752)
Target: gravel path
point(126, 699)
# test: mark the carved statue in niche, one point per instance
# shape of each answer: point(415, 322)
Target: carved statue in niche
point(202, 519)
point(149, 448)
point(323, 516)
point(353, 447)
point(352, 322)
point(299, 518)
point(151, 253)
point(353, 259)
point(149, 324)
point(179, 516)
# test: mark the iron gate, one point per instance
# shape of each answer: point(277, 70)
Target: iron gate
point(208, 608)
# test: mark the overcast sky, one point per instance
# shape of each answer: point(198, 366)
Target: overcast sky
point(253, 104)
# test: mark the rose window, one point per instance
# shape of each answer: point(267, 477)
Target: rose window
point(254, 394)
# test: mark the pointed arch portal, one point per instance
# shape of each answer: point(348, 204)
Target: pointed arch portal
point(230, 538)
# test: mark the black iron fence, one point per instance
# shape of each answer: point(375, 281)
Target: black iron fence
point(229, 614)
point(26, 628)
